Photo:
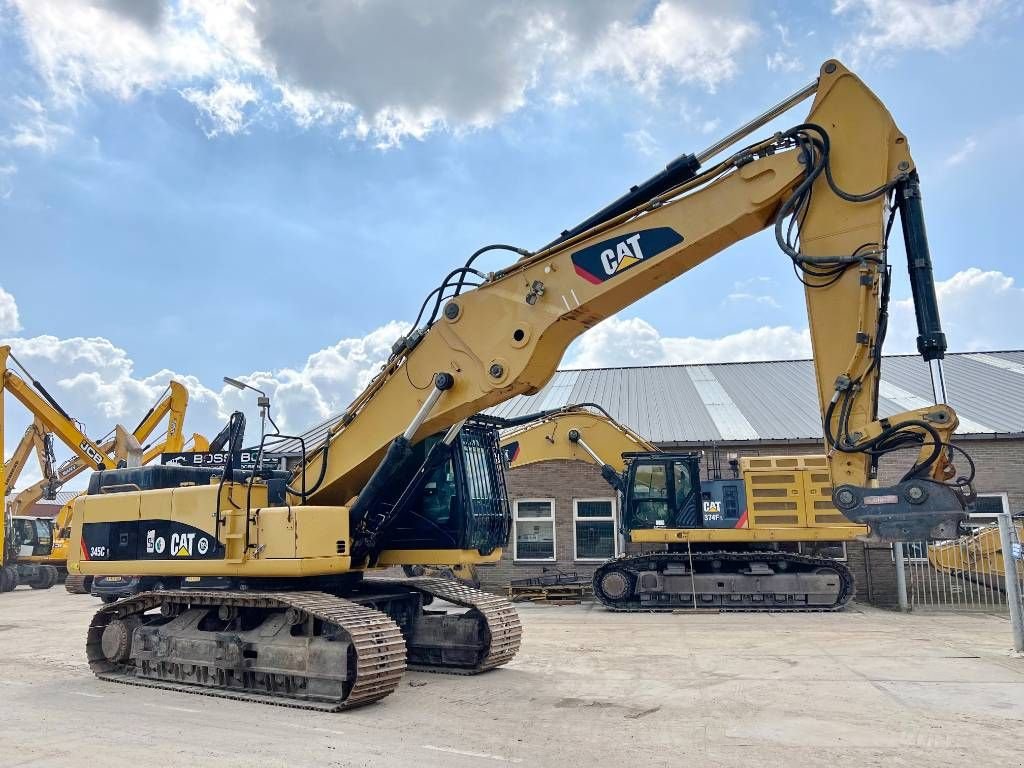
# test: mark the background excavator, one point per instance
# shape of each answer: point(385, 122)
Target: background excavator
point(35, 547)
point(267, 597)
point(726, 531)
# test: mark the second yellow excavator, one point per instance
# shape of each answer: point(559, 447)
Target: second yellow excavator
point(735, 535)
point(267, 594)
point(37, 547)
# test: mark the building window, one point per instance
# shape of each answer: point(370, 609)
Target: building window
point(593, 529)
point(834, 549)
point(535, 529)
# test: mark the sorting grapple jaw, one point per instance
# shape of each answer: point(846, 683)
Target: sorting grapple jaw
point(915, 510)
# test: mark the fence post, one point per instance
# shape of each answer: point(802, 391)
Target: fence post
point(901, 576)
point(1010, 578)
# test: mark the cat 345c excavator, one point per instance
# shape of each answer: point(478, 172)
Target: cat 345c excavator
point(722, 542)
point(266, 597)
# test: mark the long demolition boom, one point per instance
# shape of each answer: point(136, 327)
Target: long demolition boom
point(832, 178)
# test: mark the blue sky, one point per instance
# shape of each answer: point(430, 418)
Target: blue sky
point(200, 189)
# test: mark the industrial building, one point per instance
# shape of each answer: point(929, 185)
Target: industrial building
point(565, 514)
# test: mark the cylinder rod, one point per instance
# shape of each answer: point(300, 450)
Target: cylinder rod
point(763, 119)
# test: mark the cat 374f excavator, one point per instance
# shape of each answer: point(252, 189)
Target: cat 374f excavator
point(267, 598)
point(720, 536)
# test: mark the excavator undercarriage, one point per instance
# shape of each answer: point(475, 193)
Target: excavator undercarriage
point(308, 649)
point(723, 580)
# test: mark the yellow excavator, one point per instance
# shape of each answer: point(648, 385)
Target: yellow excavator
point(36, 548)
point(267, 593)
point(978, 557)
point(727, 531)
point(23, 541)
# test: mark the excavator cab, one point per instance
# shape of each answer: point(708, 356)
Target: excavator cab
point(33, 536)
point(461, 504)
point(662, 490)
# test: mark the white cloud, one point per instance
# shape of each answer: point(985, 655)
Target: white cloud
point(6, 185)
point(966, 149)
point(980, 310)
point(643, 142)
point(780, 61)
point(387, 70)
point(753, 290)
point(223, 106)
point(682, 43)
point(9, 322)
point(633, 341)
point(96, 382)
point(783, 60)
point(891, 25)
point(33, 128)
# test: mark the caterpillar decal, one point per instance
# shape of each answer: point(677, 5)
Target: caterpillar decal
point(600, 261)
point(148, 540)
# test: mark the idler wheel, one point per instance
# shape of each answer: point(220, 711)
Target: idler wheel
point(117, 639)
point(615, 584)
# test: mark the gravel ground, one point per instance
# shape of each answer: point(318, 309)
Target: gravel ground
point(859, 688)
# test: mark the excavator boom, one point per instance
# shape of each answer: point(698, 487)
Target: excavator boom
point(832, 177)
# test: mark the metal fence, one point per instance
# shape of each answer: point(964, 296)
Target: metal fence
point(966, 574)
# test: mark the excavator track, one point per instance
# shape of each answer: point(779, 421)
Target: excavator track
point(631, 582)
point(77, 584)
point(501, 630)
point(372, 659)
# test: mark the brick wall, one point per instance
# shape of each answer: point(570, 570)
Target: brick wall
point(1000, 468)
point(562, 481)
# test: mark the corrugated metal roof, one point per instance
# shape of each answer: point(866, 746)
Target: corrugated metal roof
point(774, 400)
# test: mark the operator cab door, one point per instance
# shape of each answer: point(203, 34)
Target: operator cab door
point(662, 492)
point(35, 536)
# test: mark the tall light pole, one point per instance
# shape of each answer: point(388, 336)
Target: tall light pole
point(263, 401)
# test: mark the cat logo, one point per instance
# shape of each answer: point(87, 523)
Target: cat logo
point(181, 544)
point(601, 261)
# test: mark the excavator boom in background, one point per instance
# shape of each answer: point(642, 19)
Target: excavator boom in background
point(266, 595)
point(36, 548)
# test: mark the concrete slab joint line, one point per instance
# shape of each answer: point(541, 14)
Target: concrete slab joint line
point(729, 420)
point(910, 402)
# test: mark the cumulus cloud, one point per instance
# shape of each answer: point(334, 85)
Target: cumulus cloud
point(9, 322)
point(387, 70)
point(980, 310)
point(934, 25)
point(633, 341)
point(97, 382)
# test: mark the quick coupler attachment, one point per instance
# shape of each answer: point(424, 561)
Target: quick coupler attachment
point(915, 510)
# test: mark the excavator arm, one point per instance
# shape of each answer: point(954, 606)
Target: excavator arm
point(826, 186)
point(581, 432)
point(34, 438)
